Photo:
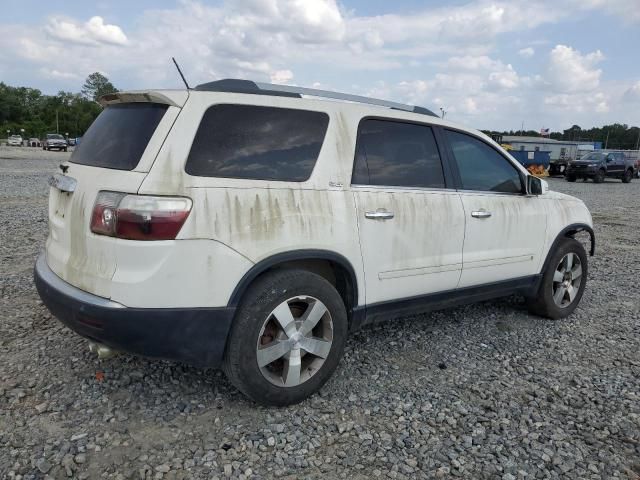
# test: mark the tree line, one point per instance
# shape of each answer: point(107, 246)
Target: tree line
point(615, 136)
point(28, 112)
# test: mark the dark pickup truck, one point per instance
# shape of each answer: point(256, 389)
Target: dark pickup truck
point(600, 165)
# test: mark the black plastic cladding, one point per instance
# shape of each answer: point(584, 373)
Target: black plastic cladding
point(233, 85)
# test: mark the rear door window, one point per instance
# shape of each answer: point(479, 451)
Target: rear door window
point(258, 143)
point(398, 154)
point(118, 137)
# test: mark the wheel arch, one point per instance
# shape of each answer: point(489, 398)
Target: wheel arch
point(317, 261)
point(569, 232)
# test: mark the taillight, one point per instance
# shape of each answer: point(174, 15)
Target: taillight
point(139, 217)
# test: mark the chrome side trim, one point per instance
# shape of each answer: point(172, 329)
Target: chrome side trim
point(56, 283)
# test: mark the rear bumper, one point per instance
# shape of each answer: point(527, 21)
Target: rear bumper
point(193, 335)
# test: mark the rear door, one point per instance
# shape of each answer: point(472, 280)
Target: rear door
point(115, 154)
point(411, 226)
point(505, 229)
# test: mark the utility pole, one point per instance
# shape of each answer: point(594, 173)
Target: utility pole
point(57, 122)
point(606, 142)
point(522, 131)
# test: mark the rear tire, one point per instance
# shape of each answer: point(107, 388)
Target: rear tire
point(626, 178)
point(563, 282)
point(270, 344)
point(571, 178)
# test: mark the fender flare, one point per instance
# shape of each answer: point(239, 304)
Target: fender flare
point(570, 231)
point(303, 254)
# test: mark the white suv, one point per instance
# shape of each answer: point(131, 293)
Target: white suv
point(253, 226)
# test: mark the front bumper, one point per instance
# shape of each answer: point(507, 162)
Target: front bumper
point(579, 170)
point(193, 335)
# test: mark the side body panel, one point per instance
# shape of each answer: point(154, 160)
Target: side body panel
point(562, 210)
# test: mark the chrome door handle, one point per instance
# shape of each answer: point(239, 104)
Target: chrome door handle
point(379, 214)
point(480, 214)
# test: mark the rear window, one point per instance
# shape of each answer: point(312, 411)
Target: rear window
point(119, 136)
point(258, 143)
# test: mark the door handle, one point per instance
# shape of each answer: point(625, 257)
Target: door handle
point(480, 214)
point(379, 214)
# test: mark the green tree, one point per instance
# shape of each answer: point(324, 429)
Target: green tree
point(97, 85)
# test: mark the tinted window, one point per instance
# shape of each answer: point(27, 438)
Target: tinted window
point(397, 154)
point(593, 156)
point(263, 143)
point(119, 136)
point(481, 167)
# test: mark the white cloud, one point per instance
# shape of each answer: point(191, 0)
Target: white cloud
point(504, 78)
point(57, 74)
point(579, 102)
point(570, 71)
point(628, 10)
point(527, 52)
point(633, 93)
point(92, 32)
point(281, 76)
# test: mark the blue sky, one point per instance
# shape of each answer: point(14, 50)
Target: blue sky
point(489, 63)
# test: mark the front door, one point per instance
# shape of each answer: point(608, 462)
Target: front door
point(505, 229)
point(411, 226)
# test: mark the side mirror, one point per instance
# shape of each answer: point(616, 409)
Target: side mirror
point(536, 186)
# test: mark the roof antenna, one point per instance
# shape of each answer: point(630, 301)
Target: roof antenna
point(180, 72)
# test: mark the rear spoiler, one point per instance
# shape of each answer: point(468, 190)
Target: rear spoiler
point(174, 98)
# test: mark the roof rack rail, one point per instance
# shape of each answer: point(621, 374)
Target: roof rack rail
point(258, 88)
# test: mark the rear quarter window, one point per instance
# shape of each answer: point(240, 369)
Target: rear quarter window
point(118, 137)
point(259, 143)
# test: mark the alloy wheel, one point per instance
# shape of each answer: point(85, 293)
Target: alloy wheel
point(567, 278)
point(295, 340)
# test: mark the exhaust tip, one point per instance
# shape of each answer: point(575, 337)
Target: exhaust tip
point(102, 351)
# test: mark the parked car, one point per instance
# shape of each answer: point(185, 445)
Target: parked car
point(245, 226)
point(34, 142)
point(14, 141)
point(71, 142)
point(600, 165)
point(54, 141)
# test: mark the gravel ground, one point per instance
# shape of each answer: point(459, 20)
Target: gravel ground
point(485, 391)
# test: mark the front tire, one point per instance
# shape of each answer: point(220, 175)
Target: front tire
point(571, 178)
point(599, 176)
point(563, 282)
point(287, 337)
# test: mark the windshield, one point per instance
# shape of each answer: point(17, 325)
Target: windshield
point(592, 156)
point(118, 137)
point(55, 136)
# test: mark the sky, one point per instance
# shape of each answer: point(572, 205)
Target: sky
point(490, 64)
